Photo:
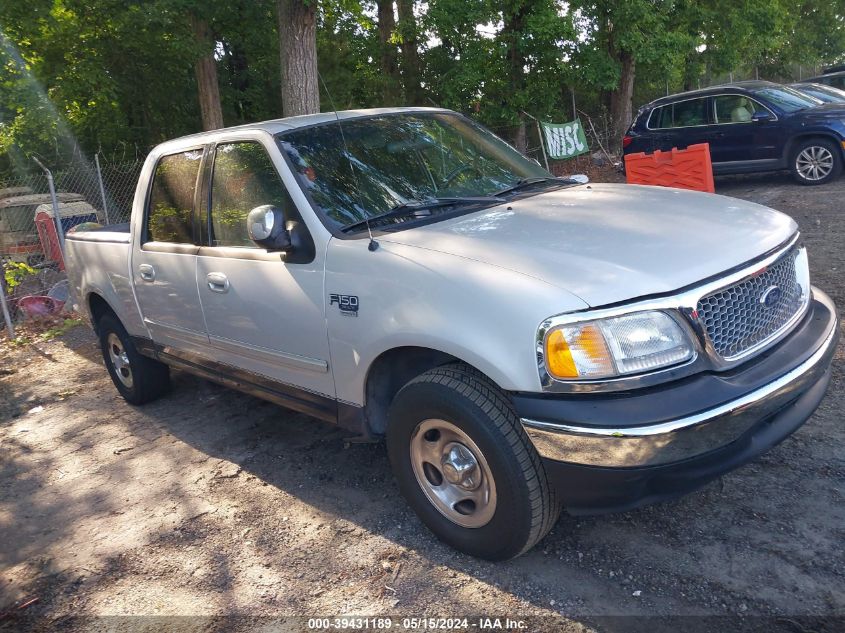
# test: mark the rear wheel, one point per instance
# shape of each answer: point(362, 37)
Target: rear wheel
point(138, 379)
point(465, 465)
point(816, 161)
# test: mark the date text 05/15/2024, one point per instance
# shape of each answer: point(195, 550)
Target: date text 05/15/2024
point(412, 624)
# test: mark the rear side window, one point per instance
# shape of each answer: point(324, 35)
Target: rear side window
point(171, 205)
point(244, 178)
point(687, 113)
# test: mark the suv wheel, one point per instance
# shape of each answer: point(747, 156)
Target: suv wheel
point(138, 379)
point(465, 465)
point(816, 161)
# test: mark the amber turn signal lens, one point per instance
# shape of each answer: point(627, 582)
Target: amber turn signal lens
point(558, 356)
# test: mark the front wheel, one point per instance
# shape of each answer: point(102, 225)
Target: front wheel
point(465, 465)
point(816, 161)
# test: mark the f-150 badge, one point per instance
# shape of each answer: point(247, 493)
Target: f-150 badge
point(348, 304)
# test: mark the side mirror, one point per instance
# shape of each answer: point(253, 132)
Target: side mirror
point(761, 116)
point(267, 228)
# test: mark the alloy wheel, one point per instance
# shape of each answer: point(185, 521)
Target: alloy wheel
point(814, 163)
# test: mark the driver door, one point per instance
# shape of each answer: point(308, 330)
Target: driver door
point(264, 316)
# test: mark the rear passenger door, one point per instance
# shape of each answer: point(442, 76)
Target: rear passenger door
point(681, 124)
point(264, 314)
point(165, 260)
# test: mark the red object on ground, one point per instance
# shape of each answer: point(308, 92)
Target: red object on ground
point(46, 226)
point(688, 168)
point(38, 305)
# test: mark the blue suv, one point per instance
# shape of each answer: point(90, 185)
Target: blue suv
point(751, 126)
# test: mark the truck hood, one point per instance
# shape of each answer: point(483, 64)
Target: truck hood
point(609, 242)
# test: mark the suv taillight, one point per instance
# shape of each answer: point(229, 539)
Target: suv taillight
point(626, 141)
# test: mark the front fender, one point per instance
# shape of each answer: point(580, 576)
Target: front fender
point(407, 296)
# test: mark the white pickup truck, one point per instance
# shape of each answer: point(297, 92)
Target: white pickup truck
point(523, 342)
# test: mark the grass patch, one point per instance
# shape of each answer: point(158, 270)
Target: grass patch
point(62, 328)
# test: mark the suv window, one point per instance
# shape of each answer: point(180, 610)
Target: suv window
point(244, 178)
point(688, 113)
point(171, 205)
point(736, 109)
point(837, 82)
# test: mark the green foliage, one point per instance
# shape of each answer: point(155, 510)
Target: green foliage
point(91, 74)
point(16, 272)
point(59, 330)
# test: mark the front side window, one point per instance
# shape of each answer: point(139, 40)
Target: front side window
point(366, 167)
point(244, 178)
point(170, 210)
point(687, 113)
point(736, 109)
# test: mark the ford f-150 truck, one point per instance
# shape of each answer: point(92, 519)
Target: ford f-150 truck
point(523, 342)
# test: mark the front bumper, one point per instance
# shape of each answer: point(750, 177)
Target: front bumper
point(617, 451)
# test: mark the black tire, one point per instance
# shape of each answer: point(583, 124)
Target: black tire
point(525, 504)
point(816, 154)
point(148, 378)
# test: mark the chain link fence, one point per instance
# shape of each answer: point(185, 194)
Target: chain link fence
point(98, 190)
point(599, 133)
point(86, 191)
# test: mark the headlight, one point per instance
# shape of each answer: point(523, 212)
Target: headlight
point(603, 348)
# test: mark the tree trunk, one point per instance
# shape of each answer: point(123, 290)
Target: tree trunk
point(389, 58)
point(410, 54)
point(520, 141)
point(620, 101)
point(513, 27)
point(206, 72)
point(298, 52)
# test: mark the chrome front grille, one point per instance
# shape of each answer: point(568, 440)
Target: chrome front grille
point(745, 315)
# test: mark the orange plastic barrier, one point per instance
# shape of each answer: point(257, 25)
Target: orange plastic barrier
point(688, 168)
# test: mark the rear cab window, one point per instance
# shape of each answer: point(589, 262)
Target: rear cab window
point(170, 208)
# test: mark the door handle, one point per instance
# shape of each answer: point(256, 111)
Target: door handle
point(217, 282)
point(148, 273)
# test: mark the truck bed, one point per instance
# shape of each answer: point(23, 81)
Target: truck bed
point(98, 261)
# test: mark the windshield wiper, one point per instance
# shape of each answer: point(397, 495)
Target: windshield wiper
point(413, 207)
point(526, 182)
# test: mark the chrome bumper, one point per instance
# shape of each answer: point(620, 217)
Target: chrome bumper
point(690, 436)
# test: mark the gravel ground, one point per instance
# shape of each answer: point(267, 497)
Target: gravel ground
point(212, 503)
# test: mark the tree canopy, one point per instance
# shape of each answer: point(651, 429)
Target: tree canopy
point(112, 74)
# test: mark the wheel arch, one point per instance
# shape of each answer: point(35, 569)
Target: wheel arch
point(393, 369)
point(97, 307)
point(808, 135)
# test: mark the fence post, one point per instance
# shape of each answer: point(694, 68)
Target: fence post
point(58, 217)
point(6, 315)
point(540, 134)
point(102, 189)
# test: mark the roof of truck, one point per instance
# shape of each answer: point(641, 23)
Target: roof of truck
point(274, 126)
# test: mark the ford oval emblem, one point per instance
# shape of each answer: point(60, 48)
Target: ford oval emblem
point(771, 296)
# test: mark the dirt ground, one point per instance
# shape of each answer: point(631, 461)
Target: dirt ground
point(212, 503)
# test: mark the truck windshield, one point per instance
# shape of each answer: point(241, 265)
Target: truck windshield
point(392, 160)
